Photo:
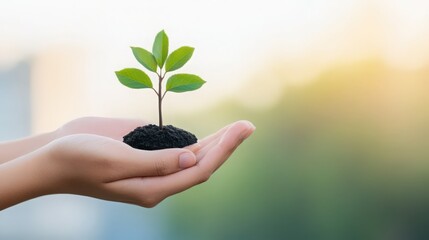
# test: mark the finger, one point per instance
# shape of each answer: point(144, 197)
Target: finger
point(236, 125)
point(151, 190)
point(214, 136)
point(140, 163)
point(227, 143)
point(200, 147)
point(214, 158)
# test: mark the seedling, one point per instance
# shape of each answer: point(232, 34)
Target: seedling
point(160, 63)
point(154, 62)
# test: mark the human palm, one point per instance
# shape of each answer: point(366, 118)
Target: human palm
point(107, 168)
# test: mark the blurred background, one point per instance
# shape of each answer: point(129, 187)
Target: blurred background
point(338, 91)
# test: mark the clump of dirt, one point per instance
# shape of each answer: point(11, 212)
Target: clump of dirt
point(152, 137)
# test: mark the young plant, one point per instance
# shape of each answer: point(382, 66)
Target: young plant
point(161, 63)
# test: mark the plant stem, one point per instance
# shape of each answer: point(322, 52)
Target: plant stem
point(160, 99)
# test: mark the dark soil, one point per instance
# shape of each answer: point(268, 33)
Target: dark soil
point(152, 137)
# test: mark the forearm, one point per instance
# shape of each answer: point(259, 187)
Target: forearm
point(14, 149)
point(23, 179)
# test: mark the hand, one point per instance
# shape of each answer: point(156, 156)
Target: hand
point(114, 128)
point(105, 168)
point(211, 153)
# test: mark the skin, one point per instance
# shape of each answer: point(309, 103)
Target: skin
point(87, 157)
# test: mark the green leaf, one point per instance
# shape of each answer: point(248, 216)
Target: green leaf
point(145, 58)
point(160, 48)
point(184, 82)
point(134, 78)
point(178, 58)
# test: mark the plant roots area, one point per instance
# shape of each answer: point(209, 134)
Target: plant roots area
point(152, 137)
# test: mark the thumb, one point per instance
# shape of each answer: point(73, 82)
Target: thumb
point(159, 162)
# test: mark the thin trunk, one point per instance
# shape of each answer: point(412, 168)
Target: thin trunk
point(160, 102)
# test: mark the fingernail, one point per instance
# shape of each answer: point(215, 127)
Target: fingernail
point(251, 126)
point(186, 160)
point(249, 131)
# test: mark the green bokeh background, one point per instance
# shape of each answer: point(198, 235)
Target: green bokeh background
point(343, 157)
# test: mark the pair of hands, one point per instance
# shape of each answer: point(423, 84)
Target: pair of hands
point(87, 157)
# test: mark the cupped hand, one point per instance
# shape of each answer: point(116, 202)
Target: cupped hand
point(114, 128)
point(86, 164)
point(105, 168)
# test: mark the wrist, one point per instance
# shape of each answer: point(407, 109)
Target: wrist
point(15, 149)
point(23, 179)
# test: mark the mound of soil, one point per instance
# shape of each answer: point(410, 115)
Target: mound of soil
point(152, 137)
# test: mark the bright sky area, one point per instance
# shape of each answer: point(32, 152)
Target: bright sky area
point(234, 40)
